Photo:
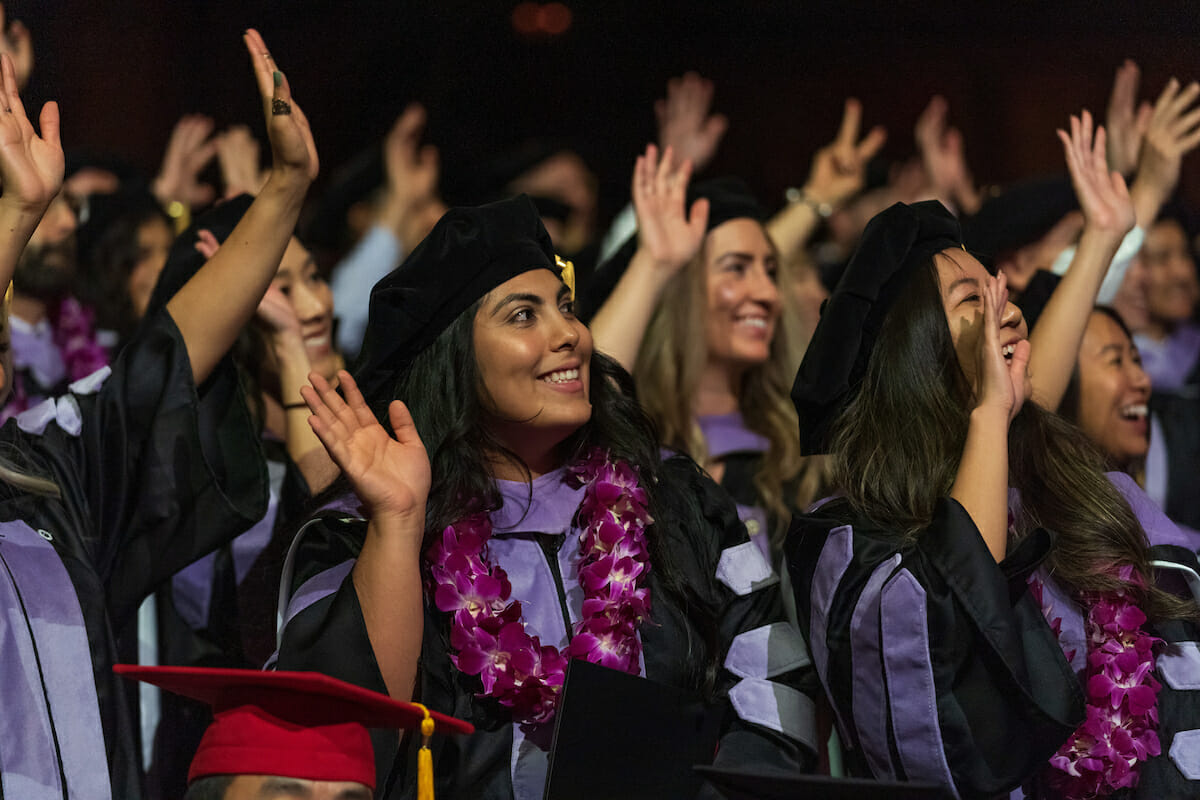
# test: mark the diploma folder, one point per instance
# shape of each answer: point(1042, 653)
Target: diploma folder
point(623, 737)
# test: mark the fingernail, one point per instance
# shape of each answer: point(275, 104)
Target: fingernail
point(278, 78)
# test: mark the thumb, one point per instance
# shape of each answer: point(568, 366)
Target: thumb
point(402, 424)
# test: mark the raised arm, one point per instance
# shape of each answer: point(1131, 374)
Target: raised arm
point(838, 172)
point(685, 122)
point(214, 305)
point(667, 240)
point(981, 484)
point(941, 148)
point(392, 477)
point(1108, 216)
point(1172, 131)
point(31, 169)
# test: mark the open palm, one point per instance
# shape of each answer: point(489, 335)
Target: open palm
point(31, 166)
point(292, 145)
point(390, 475)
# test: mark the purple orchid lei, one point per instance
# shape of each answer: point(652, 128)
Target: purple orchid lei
point(1120, 732)
point(75, 335)
point(487, 634)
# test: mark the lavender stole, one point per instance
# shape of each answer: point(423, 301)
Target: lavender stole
point(51, 740)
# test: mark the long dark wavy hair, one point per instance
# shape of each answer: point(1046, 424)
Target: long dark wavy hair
point(898, 445)
point(443, 390)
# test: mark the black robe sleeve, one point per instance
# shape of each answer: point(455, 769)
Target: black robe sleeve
point(759, 676)
point(938, 663)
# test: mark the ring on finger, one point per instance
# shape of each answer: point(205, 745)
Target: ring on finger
point(280, 108)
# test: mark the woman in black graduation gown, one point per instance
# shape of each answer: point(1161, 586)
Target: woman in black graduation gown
point(537, 450)
point(119, 484)
point(968, 634)
point(693, 306)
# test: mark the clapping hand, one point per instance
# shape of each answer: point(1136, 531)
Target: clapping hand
point(685, 123)
point(665, 232)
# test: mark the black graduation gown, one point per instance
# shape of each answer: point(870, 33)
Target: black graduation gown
point(706, 538)
point(153, 476)
point(939, 664)
point(237, 624)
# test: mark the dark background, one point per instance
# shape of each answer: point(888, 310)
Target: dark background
point(1012, 72)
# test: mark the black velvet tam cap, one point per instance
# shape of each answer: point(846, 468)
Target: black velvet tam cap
point(467, 254)
point(1018, 216)
point(895, 243)
point(728, 198)
point(184, 260)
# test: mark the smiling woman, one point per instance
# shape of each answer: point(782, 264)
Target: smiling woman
point(520, 518)
point(695, 313)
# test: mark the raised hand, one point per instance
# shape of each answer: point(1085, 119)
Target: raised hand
point(31, 166)
point(276, 312)
point(1103, 196)
point(412, 175)
point(390, 475)
point(238, 157)
point(999, 383)
point(839, 168)
point(685, 123)
point(1126, 126)
point(941, 149)
point(1172, 131)
point(665, 232)
point(293, 151)
point(206, 244)
point(189, 150)
point(17, 43)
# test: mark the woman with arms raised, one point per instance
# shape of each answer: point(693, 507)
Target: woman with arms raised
point(121, 483)
point(979, 577)
point(525, 488)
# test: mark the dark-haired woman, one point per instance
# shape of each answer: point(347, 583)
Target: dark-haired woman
point(542, 521)
point(1110, 399)
point(107, 491)
point(984, 606)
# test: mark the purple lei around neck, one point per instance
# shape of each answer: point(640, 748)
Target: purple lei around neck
point(487, 633)
point(75, 335)
point(1120, 732)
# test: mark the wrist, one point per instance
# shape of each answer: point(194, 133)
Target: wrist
point(657, 272)
point(990, 416)
point(815, 201)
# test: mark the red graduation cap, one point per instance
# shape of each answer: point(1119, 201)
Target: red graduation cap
point(293, 724)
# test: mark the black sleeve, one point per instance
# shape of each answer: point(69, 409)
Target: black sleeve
point(161, 473)
point(764, 680)
point(324, 630)
point(938, 663)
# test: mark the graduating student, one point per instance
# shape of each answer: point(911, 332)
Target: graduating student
point(970, 634)
point(697, 316)
point(109, 490)
point(525, 489)
point(287, 735)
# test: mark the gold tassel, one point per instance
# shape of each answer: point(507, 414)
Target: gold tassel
point(425, 757)
point(567, 273)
